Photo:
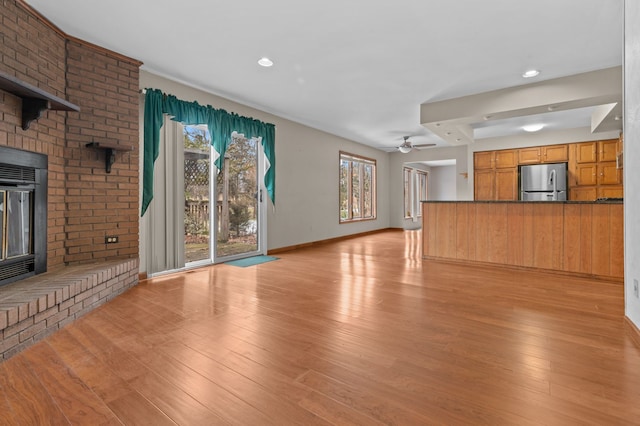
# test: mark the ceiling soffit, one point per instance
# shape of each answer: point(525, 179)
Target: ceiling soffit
point(452, 119)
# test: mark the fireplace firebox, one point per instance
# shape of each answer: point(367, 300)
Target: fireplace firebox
point(23, 214)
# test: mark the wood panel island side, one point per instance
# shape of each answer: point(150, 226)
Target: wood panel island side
point(571, 237)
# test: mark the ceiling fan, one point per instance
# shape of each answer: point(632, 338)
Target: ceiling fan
point(406, 146)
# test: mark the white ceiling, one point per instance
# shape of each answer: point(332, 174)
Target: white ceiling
point(358, 69)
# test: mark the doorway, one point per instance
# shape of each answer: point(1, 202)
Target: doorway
point(223, 208)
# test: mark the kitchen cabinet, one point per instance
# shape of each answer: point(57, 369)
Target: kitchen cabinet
point(586, 152)
point(594, 169)
point(484, 182)
point(610, 191)
point(609, 173)
point(506, 184)
point(595, 165)
point(608, 150)
point(495, 159)
point(496, 175)
point(543, 154)
point(587, 193)
point(592, 152)
point(586, 174)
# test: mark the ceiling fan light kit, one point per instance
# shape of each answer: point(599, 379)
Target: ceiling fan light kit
point(406, 146)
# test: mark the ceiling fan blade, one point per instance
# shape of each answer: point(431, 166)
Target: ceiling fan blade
point(424, 145)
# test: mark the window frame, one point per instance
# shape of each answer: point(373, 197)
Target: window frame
point(362, 162)
point(415, 190)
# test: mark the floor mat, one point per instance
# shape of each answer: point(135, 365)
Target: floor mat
point(250, 261)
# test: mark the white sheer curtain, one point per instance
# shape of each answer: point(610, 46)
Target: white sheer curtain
point(163, 232)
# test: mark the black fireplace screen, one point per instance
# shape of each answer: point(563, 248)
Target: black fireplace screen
point(16, 221)
point(23, 214)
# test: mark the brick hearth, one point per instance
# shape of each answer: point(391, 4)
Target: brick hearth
point(33, 308)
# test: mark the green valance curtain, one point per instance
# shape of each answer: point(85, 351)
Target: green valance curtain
point(220, 123)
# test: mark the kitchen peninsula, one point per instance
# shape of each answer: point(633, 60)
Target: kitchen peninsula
point(584, 238)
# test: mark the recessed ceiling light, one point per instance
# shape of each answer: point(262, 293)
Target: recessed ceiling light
point(532, 127)
point(265, 62)
point(531, 73)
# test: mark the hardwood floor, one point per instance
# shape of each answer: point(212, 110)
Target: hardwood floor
point(361, 331)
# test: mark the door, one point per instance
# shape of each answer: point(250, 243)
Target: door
point(239, 198)
point(223, 214)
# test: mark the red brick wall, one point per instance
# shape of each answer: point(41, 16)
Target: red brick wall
point(85, 203)
point(100, 203)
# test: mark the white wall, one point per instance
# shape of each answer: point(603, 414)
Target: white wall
point(442, 183)
point(396, 162)
point(306, 172)
point(631, 157)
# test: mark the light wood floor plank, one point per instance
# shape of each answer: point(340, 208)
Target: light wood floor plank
point(361, 331)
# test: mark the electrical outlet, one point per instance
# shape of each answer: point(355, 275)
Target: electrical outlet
point(111, 239)
point(635, 287)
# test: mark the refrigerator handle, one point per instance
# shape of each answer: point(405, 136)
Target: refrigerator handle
point(552, 181)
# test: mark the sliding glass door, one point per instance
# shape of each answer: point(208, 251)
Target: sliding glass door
point(222, 208)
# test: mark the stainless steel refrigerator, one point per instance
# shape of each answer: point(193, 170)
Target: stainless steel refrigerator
point(543, 182)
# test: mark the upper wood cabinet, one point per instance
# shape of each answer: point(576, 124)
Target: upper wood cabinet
point(543, 154)
point(555, 153)
point(506, 158)
point(529, 155)
point(483, 160)
point(586, 152)
point(608, 150)
point(495, 159)
point(592, 152)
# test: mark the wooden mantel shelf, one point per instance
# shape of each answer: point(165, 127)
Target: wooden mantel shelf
point(110, 149)
point(34, 99)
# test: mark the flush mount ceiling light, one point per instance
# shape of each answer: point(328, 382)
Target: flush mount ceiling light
point(532, 127)
point(530, 73)
point(265, 62)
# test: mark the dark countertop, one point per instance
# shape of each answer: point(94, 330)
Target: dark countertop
point(602, 201)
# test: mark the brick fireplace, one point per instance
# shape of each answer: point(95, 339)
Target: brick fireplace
point(23, 214)
point(84, 203)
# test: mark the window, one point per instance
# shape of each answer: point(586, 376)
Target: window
point(421, 176)
point(357, 188)
point(415, 190)
point(407, 193)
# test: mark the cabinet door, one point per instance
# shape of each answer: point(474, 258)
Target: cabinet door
point(586, 152)
point(609, 173)
point(483, 160)
point(607, 150)
point(583, 194)
point(507, 184)
point(611, 191)
point(555, 153)
point(529, 155)
point(586, 174)
point(506, 158)
point(484, 182)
